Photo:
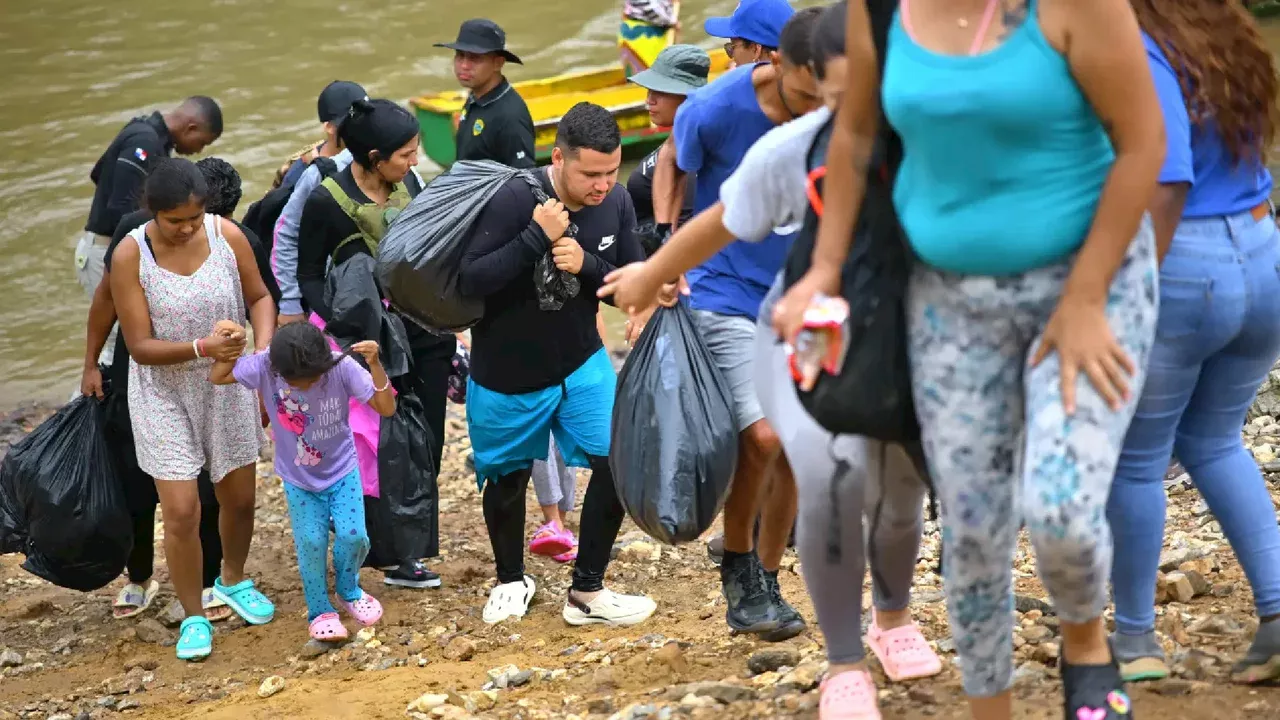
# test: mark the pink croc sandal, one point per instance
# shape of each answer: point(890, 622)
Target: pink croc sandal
point(327, 628)
point(550, 540)
point(567, 557)
point(849, 696)
point(903, 652)
point(366, 611)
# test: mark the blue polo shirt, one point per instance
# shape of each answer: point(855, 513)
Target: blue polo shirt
point(1196, 154)
point(714, 128)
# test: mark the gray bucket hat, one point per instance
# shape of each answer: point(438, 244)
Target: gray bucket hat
point(678, 70)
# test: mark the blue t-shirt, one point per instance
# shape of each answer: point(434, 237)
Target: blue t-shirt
point(1197, 154)
point(714, 129)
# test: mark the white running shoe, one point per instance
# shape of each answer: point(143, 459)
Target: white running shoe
point(609, 608)
point(509, 600)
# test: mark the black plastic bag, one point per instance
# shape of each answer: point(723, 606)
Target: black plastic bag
point(404, 522)
point(552, 285)
point(652, 235)
point(61, 503)
point(357, 313)
point(420, 256)
point(871, 395)
point(675, 437)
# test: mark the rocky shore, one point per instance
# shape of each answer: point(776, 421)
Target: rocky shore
point(63, 657)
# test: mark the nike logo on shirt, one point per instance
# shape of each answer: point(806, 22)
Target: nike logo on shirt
point(606, 242)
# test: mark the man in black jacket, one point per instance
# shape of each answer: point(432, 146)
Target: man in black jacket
point(539, 372)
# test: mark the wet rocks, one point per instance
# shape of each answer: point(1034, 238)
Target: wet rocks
point(772, 659)
point(10, 658)
point(427, 702)
point(460, 649)
point(151, 631)
point(270, 686)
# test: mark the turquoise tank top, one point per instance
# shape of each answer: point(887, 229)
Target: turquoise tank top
point(1004, 158)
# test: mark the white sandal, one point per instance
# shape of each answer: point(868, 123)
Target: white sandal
point(133, 600)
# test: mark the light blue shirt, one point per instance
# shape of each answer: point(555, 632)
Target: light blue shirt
point(1004, 158)
point(284, 260)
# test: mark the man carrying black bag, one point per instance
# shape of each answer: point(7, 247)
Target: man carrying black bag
point(537, 372)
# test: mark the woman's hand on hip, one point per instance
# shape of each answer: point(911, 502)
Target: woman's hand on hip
point(1079, 332)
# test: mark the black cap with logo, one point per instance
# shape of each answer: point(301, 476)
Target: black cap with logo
point(336, 99)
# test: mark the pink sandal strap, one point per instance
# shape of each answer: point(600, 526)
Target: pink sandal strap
point(849, 696)
point(903, 652)
point(327, 627)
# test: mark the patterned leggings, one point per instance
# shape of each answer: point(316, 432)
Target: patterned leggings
point(1002, 451)
point(309, 513)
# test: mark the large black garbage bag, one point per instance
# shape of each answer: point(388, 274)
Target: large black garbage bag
point(61, 503)
point(403, 523)
point(675, 437)
point(419, 258)
point(357, 313)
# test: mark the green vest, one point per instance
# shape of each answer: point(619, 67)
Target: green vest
point(371, 219)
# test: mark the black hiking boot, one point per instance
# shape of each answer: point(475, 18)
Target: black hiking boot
point(790, 623)
point(412, 574)
point(750, 608)
point(1095, 692)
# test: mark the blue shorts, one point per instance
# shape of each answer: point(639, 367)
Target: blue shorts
point(509, 432)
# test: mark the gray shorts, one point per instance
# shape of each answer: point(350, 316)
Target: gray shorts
point(732, 341)
point(90, 251)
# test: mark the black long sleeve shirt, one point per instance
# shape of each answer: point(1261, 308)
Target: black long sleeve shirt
point(119, 173)
point(517, 347)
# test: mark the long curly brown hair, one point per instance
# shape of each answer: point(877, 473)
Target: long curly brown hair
point(1223, 65)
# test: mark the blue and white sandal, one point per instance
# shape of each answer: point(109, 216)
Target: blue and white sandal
point(245, 599)
point(195, 641)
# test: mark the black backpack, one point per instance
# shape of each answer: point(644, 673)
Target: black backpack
point(262, 216)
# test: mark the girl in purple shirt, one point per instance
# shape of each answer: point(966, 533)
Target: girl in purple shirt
point(306, 388)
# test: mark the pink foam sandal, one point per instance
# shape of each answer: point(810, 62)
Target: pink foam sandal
point(850, 695)
point(903, 652)
point(550, 540)
point(327, 628)
point(567, 557)
point(366, 611)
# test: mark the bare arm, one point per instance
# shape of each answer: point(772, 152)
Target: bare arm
point(135, 318)
point(693, 244)
point(383, 401)
point(262, 310)
point(848, 157)
point(102, 315)
point(668, 184)
point(1107, 58)
point(221, 373)
point(1166, 213)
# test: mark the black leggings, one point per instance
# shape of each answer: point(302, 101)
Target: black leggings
point(141, 562)
point(602, 515)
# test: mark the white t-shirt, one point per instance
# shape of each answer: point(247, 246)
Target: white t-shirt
point(766, 193)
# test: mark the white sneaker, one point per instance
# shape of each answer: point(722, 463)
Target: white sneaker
point(509, 600)
point(609, 608)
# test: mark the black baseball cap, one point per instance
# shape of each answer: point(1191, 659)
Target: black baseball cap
point(336, 99)
point(482, 37)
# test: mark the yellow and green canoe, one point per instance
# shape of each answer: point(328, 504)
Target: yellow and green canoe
point(550, 98)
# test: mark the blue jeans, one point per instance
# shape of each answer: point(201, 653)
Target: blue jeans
point(1217, 338)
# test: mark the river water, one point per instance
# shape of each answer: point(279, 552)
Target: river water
point(75, 72)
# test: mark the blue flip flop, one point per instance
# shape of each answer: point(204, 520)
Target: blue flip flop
point(195, 640)
point(245, 599)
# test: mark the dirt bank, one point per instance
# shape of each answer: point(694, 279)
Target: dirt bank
point(64, 657)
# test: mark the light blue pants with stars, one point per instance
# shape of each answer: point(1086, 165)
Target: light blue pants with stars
point(309, 512)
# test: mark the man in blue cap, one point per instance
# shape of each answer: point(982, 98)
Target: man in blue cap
point(752, 31)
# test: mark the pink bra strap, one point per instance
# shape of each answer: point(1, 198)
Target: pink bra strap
point(987, 16)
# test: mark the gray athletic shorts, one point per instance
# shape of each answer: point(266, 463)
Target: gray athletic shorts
point(732, 342)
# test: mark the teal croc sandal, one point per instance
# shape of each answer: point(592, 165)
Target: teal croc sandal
point(248, 603)
point(195, 640)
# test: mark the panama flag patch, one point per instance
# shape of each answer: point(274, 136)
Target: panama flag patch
point(140, 154)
